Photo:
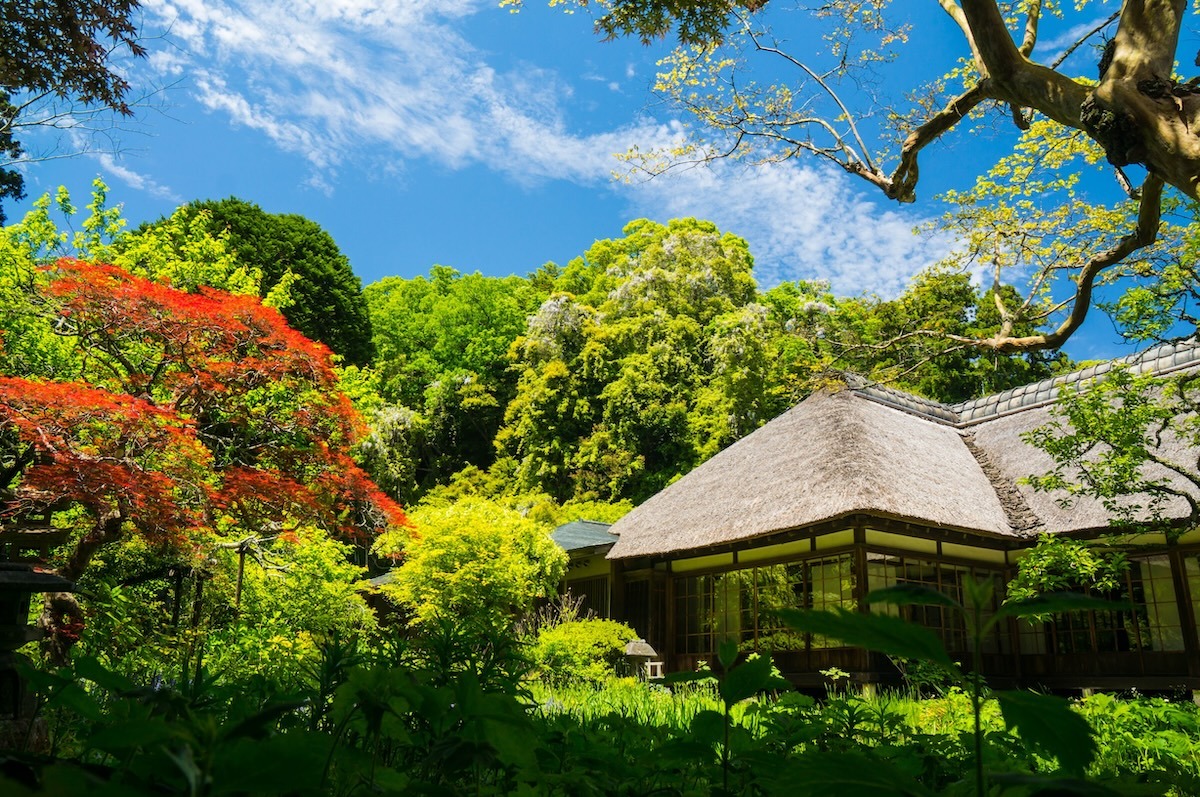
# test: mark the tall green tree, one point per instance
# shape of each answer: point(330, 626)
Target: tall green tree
point(443, 372)
point(326, 297)
point(650, 353)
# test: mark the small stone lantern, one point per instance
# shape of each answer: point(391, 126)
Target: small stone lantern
point(18, 584)
point(643, 659)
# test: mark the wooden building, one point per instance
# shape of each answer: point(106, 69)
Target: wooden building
point(866, 487)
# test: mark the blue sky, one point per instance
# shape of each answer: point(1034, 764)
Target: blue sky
point(455, 132)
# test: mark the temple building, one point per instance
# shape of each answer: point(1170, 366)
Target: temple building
point(866, 487)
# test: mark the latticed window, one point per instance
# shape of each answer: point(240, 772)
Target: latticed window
point(739, 605)
point(1152, 624)
point(592, 594)
point(886, 570)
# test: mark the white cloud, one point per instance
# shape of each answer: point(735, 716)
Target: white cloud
point(135, 180)
point(1050, 49)
point(802, 223)
point(386, 82)
point(340, 81)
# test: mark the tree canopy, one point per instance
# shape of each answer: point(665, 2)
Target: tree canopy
point(326, 297)
point(831, 101)
point(605, 379)
point(443, 372)
point(177, 416)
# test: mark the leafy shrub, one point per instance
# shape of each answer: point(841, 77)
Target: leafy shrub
point(474, 562)
point(582, 650)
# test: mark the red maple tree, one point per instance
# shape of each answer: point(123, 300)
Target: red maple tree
point(192, 414)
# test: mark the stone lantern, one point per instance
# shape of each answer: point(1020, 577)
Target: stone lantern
point(18, 584)
point(643, 659)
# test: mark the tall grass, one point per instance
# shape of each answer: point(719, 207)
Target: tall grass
point(645, 703)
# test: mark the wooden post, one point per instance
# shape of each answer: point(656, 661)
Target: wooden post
point(237, 594)
point(617, 597)
point(178, 599)
point(1187, 615)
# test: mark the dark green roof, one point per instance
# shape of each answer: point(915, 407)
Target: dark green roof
point(580, 534)
point(386, 578)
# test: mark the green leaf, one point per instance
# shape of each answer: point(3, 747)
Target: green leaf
point(752, 676)
point(128, 735)
point(912, 595)
point(878, 632)
point(1055, 785)
point(842, 774)
point(76, 698)
point(261, 723)
point(727, 653)
point(1054, 602)
point(687, 676)
point(279, 765)
point(1048, 724)
point(92, 670)
point(708, 726)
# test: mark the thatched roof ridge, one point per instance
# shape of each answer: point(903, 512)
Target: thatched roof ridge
point(878, 451)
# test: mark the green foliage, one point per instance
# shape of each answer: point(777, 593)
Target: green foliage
point(1046, 724)
point(1058, 564)
point(443, 373)
point(608, 378)
point(650, 356)
point(474, 562)
point(1149, 735)
point(371, 725)
point(587, 650)
point(183, 251)
point(296, 593)
point(326, 300)
point(1159, 297)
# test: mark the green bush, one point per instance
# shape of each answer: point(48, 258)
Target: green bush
point(582, 650)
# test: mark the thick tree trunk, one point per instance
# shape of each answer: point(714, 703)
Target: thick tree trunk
point(62, 616)
point(1137, 112)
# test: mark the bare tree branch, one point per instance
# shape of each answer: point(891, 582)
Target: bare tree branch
point(1149, 213)
point(903, 183)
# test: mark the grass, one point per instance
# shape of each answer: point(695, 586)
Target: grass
point(1134, 735)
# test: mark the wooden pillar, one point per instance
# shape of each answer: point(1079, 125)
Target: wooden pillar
point(668, 649)
point(861, 588)
point(1013, 625)
point(1187, 614)
point(656, 631)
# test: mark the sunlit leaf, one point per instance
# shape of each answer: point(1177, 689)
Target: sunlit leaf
point(877, 632)
point(1048, 724)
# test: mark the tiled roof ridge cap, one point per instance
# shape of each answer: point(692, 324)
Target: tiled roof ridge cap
point(1159, 360)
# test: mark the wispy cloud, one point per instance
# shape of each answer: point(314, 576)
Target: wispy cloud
point(343, 83)
point(1052, 48)
point(802, 222)
point(133, 179)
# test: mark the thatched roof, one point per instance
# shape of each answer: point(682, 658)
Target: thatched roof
point(878, 451)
